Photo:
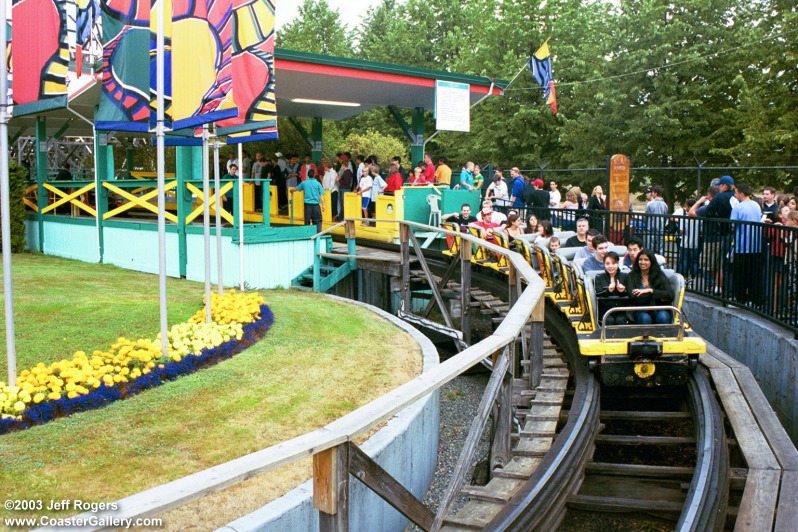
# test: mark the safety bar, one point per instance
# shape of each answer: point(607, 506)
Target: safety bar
point(604, 327)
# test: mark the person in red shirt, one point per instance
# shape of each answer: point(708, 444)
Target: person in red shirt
point(417, 178)
point(429, 170)
point(394, 180)
point(303, 171)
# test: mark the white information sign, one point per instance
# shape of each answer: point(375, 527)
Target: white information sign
point(452, 106)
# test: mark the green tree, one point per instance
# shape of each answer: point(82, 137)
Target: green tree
point(17, 182)
point(317, 29)
point(371, 142)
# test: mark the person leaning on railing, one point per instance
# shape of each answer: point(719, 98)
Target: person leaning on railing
point(314, 199)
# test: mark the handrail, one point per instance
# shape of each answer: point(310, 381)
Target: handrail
point(328, 230)
point(178, 492)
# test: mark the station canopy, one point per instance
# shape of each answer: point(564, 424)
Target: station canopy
point(307, 85)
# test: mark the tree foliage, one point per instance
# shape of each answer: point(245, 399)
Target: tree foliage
point(17, 182)
point(384, 147)
point(318, 29)
point(669, 84)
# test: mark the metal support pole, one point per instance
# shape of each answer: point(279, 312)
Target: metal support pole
point(218, 207)
point(5, 215)
point(160, 137)
point(206, 221)
point(240, 216)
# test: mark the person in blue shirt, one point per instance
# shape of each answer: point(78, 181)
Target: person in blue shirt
point(519, 183)
point(314, 199)
point(748, 259)
point(717, 238)
point(466, 177)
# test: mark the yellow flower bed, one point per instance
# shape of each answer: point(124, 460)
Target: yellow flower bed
point(128, 359)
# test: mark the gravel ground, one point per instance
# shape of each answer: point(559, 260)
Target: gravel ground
point(459, 401)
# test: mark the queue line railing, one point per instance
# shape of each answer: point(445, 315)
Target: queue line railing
point(335, 455)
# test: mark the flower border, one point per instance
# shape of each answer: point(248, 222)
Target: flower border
point(39, 414)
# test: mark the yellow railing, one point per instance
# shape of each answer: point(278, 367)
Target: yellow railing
point(142, 201)
point(199, 193)
point(31, 198)
point(73, 198)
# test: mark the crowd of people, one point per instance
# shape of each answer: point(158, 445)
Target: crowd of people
point(722, 239)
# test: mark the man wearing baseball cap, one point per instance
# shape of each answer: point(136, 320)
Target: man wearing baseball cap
point(537, 200)
point(717, 236)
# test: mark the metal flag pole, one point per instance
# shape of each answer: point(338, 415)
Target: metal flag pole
point(241, 216)
point(206, 221)
point(159, 135)
point(219, 282)
point(5, 234)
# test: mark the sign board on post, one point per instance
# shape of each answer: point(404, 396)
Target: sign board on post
point(619, 195)
point(452, 106)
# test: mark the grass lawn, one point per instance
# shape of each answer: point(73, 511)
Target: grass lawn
point(320, 360)
point(62, 306)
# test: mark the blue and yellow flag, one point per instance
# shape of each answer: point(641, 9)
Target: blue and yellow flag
point(540, 65)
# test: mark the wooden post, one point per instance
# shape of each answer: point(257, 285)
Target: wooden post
point(501, 452)
point(331, 488)
point(351, 243)
point(512, 297)
point(465, 290)
point(404, 242)
point(536, 362)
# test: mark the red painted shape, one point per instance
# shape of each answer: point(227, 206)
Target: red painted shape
point(35, 38)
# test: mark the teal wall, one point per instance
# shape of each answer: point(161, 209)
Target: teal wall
point(266, 265)
point(134, 246)
point(32, 235)
point(71, 241)
point(417, 209)
point(135, 249)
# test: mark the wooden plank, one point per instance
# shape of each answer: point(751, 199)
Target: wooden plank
point(331, 488)
point(752, 442)
point(544, 412)
point(780, 443)
point(497, 490)
point(383, 484)
point(617, 439)
point(533, 447)
point(532, 427)
point(473, 516)
point(758, 506)
point(501, 452)
point(520, 467)
point(639, 470)
point(643, 416)
point(594, 503)
point(787, 510)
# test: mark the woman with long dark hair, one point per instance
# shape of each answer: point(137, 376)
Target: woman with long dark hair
point(649, 287)
point(611, 290)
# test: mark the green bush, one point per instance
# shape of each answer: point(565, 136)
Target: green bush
point(385, 147)
point(17, 181)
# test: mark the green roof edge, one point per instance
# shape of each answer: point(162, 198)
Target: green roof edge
point(374, 66)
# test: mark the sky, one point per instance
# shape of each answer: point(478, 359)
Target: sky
point(350, 10)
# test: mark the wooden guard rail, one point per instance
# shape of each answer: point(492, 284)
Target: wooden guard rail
point(334, 454)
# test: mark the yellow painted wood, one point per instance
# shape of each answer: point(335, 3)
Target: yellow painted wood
point(140, 201)
point(69, 198)
point(212, 200)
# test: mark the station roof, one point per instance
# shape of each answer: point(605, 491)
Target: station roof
point(363, 85)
